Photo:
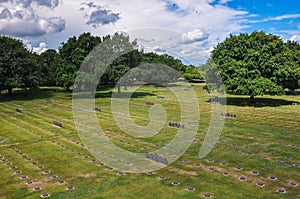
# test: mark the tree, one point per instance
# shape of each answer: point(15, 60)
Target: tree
point(253, 64)
point(129, 58)
point(204, 68)
point(72, 54)
point(19, 68)
point(165, 59)
point(50, 60)
point(192, 73)
point(107, 63)
point(290, 60)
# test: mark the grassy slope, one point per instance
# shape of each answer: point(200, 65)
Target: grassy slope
point(270, 128)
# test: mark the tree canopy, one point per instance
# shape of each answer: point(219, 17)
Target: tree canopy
point(257, 64)
point(19, 68)
point(72, 54)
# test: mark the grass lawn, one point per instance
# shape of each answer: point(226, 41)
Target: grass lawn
point(260, 146)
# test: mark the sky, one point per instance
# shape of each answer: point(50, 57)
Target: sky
point(186, 29)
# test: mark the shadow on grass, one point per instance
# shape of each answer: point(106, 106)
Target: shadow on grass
point(258, 102)
point(297, 92)
point(106, 92)
point(25, 95)
point(137, 94)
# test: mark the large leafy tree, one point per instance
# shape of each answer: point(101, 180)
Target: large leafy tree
point(72, 54)
point(189, 72)
point(19, 68)
point(50, 60)
point(290, 60)
point(254, 64)
point(117, 55)
point(129, 57)
point(81, 50)
point(192, 73)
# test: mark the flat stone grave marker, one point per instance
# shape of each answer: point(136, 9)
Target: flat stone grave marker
point(97, 109)
point(70, 188)
point(190, 189)
point(56, 123)
point(45, 195)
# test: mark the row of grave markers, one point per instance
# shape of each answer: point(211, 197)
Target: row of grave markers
point(156, 158)
point(31, 182)
point(228, 115)
point(176, 125)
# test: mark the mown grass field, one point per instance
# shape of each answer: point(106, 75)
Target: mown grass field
point(264, 137)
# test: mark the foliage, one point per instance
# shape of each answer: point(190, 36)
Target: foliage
point(188, 72)
point(192, 73)
point(18, 66)
point(204, 68)
point(107, 63)
point(256, 64)
point(72, 54)
point(50, 60)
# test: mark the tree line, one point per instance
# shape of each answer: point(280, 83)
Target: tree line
point(21, 68)
point(247, 64)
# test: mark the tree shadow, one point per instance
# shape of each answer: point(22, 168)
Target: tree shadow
point(110, 94)
point(297, 92)
point(258, 102)
point(26, 95)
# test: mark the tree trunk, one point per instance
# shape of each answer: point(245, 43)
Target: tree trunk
point(251, 98)
point(119, 88)
point(68, 90)
point(10, 91)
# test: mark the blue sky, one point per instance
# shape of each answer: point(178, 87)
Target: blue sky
point(188, 29)
point(266, 10)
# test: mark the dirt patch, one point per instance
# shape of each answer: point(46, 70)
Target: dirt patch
point(41, 182)
point(87, 175)
point(183, 172)
point(233, 173)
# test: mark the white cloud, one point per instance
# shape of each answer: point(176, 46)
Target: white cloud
point(98, 15)
point(293, 35)
point(203, 24)
point(224, 1)
point(277, 18)
point(286, 16)
point(171, 42)
point(40, 49)
point(20, 19)
point(194, 36)
point(196, 20)
point(295, 38)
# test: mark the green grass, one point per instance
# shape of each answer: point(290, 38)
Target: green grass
point(269, 127)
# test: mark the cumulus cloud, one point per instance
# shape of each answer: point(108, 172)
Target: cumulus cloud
point(170, 42)
point(40, 49)
point(98, 15)
point(102, 17)
point(19, 18)
point(194, 36)
point(295, 38)
point(5, 14)
point(49, 3)
point(200, 24)
point(28, 3)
